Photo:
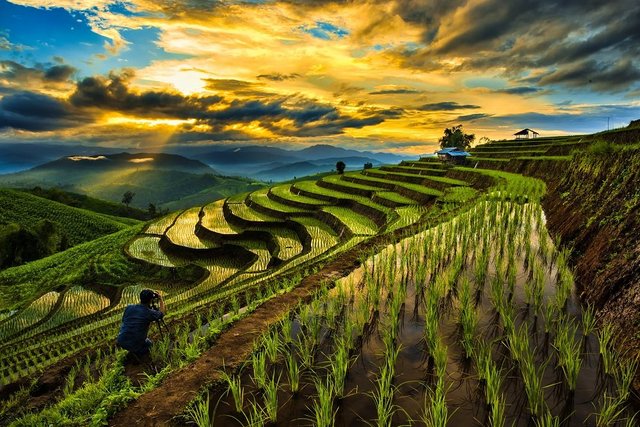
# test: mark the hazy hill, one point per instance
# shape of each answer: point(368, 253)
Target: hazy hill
point(154, 178)
point(16, 157)
point(272, 163)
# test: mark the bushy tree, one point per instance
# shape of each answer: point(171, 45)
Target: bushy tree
point(127, 197)
point(455, 137)
point(340, 166)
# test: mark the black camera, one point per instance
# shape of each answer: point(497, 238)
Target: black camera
point(155, 300)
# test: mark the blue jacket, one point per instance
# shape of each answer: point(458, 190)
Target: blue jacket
point(135, 326)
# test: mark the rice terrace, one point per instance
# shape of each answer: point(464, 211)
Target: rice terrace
point(294, 213)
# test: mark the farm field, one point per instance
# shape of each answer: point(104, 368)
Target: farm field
point(414, 294)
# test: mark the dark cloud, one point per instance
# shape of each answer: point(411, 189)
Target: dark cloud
point(278, 77)
point(447, 106)
point(36, 112)
point(471, 117)
point(59, 73)
point(18, 73)
point(597, 76)
point(285, 115)
point(556, 36)
point(519, 90)
point(395, 92)
point(113, 93)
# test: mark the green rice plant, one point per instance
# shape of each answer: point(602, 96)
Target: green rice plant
point(610, 411)
point(383, 396)
point(482, 359)
point(70, 381)
point(532, 379)
point(322, 408)
point(293, 371)
point(497, 416)
point(568, 351)
point(198, 411)
point(271, 344)
point(440, 359)
point(550, 316)
point(588, 320)
point(495, 379)
point(286, 330)
point(259, 364)
point(631, 421)
point(547, 420)
point(255, 417)
point(271, 398)
point(234, 386)
point(305, 347)
point(436, 413)
point(607, 353)
point(468, 320)
point(338, 367)
point(624, 374)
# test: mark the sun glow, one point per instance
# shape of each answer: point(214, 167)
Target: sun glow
point(121, 120)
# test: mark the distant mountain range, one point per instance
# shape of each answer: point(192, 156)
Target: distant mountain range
point(277, 164)
point(157, 178)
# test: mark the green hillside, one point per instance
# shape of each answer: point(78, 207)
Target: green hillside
point(79, 225)
point(32, 227)
point(83, 201)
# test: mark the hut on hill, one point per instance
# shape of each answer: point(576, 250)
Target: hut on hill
point(526, 134)
point(453, 155)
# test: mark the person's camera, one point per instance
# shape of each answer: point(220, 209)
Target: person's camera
point(155, 300)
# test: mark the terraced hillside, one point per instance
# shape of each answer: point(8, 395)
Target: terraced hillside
point(270, 255)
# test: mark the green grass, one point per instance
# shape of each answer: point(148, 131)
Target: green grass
point(414, 187)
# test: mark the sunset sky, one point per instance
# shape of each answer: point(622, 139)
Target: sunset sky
point(381, 75)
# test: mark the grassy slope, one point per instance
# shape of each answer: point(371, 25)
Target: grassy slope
point(99, 262)
point(83, 201)
point(79, 225)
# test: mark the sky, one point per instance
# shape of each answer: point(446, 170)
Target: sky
point(386, 75)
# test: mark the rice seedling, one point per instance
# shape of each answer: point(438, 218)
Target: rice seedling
point(255, 417)
point(498, 410)
point(198, 411)
point(338, 367)
point(532, 378)
point(383, 396)
point(259, 364)
point(494, 379)
point(610, 411)
point(607, 353)
point(568, 351)
point(631, 421)
point(482, 359)
point(588, 320)
point(293, 371)
point(322, 408)
point(305, 347)
point(271, 398)
point(624, 374)
point(547, 420)
point(234, 386)
point(286, 330)
point(271, 344)
point(70, 381)
point(436, 413)
point(468, 319)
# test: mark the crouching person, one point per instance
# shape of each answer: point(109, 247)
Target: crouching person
point(136, 320)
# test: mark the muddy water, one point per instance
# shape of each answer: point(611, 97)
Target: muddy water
point(465, 394)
